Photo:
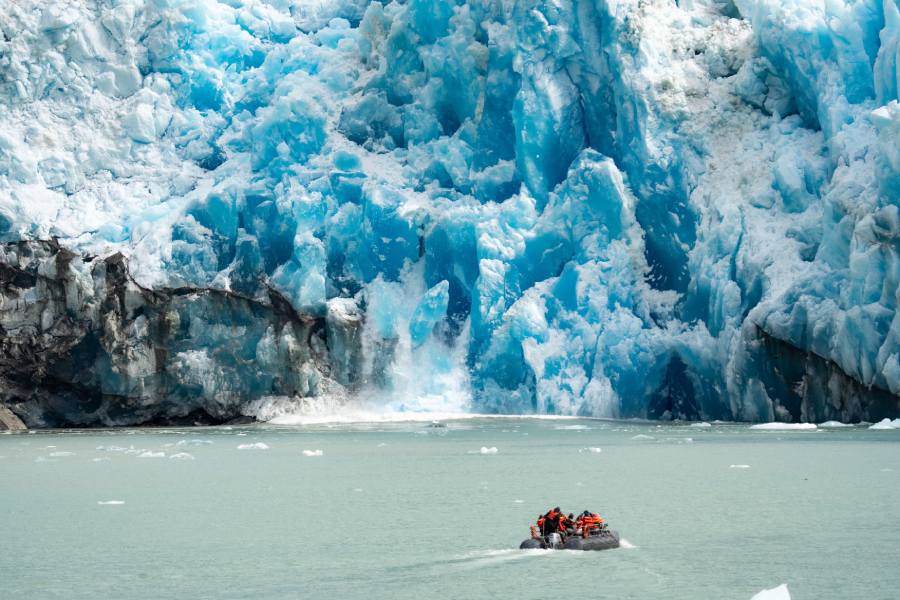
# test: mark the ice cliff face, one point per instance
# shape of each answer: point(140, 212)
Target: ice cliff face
point(596, 207)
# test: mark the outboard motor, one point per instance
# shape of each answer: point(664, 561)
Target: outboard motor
point(554, 540)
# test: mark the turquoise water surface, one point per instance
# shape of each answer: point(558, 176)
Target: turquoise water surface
point(405, 510)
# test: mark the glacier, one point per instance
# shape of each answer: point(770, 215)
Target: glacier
point(612, 208)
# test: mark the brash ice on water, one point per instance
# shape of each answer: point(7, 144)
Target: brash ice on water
point(582, 207)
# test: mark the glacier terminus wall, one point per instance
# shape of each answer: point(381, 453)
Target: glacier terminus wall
point(614, 208)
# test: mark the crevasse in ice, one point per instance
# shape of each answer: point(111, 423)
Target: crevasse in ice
point(595, 207)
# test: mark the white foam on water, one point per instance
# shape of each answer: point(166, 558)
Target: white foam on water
point(152, 454)
point(834, 425)
point(255, 446)
point(778, 593)
point(313, 453)
point(381, 445)
point(592, 449)
point(739, 467)
point(784, 426)
point(623, 543)
point(110, 502)
point(517, 501)
point(886, 424)
point(182, 456)
point(641, 437)
point(100, 459)
point(702, 424)
point(61, 453)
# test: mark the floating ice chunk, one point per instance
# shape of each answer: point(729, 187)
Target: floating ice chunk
point(703, 424)
point(572, 427)
point(100, 459)
point(151, 454)
point(784, 426)
point(381, 445)
point(779, 593)
point(641, 437)
point(61, 453)
point(486, 450)
point(592, 449)
point(886, 424)
point(739, 467)
point(517, 501)
point(111, 448)
point(313, 453)
point(110, 502)
point(256, 446)
point(834, 425)
point(194, 443)
point(182, 456)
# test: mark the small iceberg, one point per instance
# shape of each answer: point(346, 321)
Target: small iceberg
point(779, 593)
point(110, 502)
point(641, 437)
point(486, 450)
point(256, 446)
point(784, 426)
point(59, 454)
point(182, 456)
point(882, 424)
point(739, 466)
point(313, 453)
point(834, 425)
point(592, 449)
point(152, 454)
point(702, 424)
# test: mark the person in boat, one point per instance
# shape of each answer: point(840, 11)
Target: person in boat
point(589, 522)
point(550, 522)
point(567, 524)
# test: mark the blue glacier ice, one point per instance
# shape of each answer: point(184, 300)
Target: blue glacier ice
point(614, 208)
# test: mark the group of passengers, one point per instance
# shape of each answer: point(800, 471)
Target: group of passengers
point(554, 521)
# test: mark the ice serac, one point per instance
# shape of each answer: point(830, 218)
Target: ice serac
point(592, 207)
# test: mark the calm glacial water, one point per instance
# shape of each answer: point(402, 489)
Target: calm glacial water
point(401, 510)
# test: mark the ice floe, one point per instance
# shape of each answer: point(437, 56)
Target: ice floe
point(886, 424)
point(254, 446)
point(151, 454)
point(313, 453)
point(778, 593)
point(784, 426)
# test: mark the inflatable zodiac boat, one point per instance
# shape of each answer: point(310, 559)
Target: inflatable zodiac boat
point(604, 539)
